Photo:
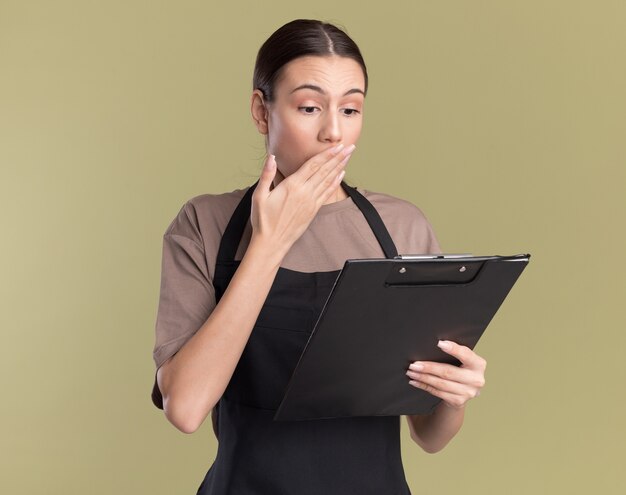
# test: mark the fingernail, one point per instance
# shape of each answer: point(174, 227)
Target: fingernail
point(338, 148)
point(444, 344)
point(350, 148)
point(417, 366)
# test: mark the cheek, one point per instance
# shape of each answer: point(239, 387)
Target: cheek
point(285, 134)
point(293, 140)
point(292, 156)
point(296, 129)
point(292, 137)
point(292, 150)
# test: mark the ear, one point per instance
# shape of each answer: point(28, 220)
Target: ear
point(259, 111)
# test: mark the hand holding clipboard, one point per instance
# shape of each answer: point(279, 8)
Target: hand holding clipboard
point(454, 385)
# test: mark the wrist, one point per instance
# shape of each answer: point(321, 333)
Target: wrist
point(450, 407)
point(268, 252)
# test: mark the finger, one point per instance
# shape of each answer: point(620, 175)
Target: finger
point(267, 174)
point(315, 171)
point(463, 353)
point(456, 401)
point(328, 186)
point(442, 384)
point(446, 371)
point(324, 181)
point(313, 164)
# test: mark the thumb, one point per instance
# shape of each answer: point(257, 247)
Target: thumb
point(268, 173)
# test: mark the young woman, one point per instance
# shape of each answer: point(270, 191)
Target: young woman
point(245, 274)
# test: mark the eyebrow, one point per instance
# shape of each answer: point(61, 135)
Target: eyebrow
point(321, 91)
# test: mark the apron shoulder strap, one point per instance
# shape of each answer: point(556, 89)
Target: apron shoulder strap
point(234, 229)
point(373, 219)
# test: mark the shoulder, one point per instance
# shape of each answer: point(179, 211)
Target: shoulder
point(407, 223)
point(394, 208)
point(205, 215)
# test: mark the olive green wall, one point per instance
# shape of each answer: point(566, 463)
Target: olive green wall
point(503, 121)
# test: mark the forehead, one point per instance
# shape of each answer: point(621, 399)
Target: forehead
point(332, 73)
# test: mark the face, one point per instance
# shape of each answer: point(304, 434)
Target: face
point(318, 103)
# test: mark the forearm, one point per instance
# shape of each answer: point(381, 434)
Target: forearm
point(201, 370)
point(433, 432)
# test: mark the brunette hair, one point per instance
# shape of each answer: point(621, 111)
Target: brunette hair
point(300, 38)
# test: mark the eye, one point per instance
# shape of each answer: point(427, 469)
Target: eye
point(350, 112)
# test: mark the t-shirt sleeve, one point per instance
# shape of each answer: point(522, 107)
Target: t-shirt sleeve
point(432, 241)
point(421, 235)
point(187, 295)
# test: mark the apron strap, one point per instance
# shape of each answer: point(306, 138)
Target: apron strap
point(236, 225)
point(373, 218)
point(238, 221)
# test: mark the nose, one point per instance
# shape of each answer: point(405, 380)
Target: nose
point(330, 131)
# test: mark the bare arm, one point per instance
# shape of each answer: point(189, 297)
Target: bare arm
point(193, 380)
point(433, 432)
